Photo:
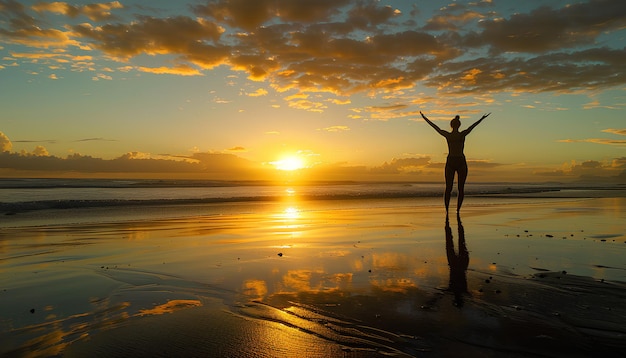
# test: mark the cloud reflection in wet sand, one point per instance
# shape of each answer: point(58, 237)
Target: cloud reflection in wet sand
point(371, 279)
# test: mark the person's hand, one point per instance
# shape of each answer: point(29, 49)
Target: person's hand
point(484, 115)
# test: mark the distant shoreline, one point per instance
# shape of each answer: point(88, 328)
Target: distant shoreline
point(34, 183)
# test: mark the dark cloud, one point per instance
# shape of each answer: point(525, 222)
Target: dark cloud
point(178, 35)
point(366, 14)
point(546, 28)
point(391, 107)
point(559, 72)
point(308, 11)
point(214, 164)
point(238, 13)
point(249, 15)
point(99, 139)
point(451, 22)
point(16, 14)
point(22, 28)
point(349, 46)
point(592, 170)
point(211, 164)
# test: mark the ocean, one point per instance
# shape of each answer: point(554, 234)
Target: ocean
point(48, 201)
point(164, 267)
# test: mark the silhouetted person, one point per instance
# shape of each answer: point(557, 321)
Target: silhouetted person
point(458, 262)
point(456, 158)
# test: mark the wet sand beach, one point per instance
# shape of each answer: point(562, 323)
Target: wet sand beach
point(513, 277)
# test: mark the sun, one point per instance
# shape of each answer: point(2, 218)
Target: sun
point(289, 163)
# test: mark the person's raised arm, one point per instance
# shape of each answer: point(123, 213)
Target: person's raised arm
point(469, 129)
point(439, 130)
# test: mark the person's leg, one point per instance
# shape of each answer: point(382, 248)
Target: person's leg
point(449, 183)
point(462, 176)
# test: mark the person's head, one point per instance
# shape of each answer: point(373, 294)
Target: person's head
point(455, 123)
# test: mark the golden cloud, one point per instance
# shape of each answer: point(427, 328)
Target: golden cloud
point(95, 12)
point(258, 93)
point(182, 70)
point(176, 35)
point(5, 143)
point(595, 140)
point(615, 131)
point(336, 129)
point(345, 47)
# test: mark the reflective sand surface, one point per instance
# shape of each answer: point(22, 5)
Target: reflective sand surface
point(332, 279)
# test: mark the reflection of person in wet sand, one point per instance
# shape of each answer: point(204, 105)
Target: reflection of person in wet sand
point(458, 262)
point(456, 159)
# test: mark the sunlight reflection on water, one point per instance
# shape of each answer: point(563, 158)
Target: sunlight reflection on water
point(381, 256)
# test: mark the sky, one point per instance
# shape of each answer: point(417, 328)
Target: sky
point(312, 89)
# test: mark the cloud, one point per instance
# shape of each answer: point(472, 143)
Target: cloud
point(95, 12)
point(392, 107)
point(102, 76)
point(307, 105)
point(216, 163)
point(343, 47)
point(619, 163)
point(258, 93)
point(366, 14)
point(24, 29)
point(451, 22)
point(250, 15)
point(556, 72)
point(5, 143)
point(596, 104)
point(591, 170)
point(227, 166)
point(339, 101)
point(39, 38)
point(213, 165)
point(40, 151)
point(49, 141)
point(237, 149)
point(615, 131)
point(545, 28)
point(182, 70)
point(336, 129)
point(178, 35)
point(56, 60)
point(98, 139)
point(403, 165)
point(596, 140)
point(387, 112)
point(594, 168)
point(16, 14)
